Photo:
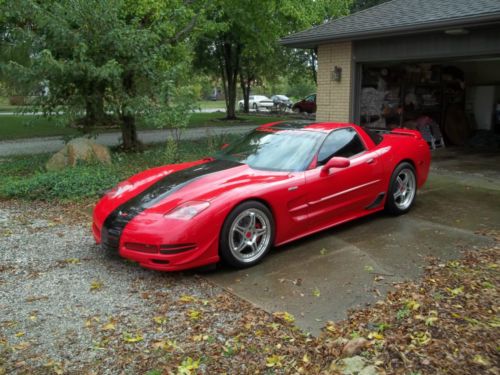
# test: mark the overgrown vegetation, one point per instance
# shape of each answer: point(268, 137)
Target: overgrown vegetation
point(24, 177)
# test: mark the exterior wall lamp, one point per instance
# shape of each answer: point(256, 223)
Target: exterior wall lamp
point(337, 74)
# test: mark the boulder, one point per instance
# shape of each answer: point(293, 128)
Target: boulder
point(354, 346)
point(79, 150)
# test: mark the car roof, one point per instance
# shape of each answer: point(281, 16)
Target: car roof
point(324, 127)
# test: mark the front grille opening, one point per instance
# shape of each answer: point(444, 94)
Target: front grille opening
point(176, 248)
point(158, 261)
point(141, 247)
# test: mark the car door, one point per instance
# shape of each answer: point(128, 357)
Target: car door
point(343, 193)
point(310, 104)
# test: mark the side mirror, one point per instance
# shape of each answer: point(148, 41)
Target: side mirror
point(224, 146)
point(335, 162)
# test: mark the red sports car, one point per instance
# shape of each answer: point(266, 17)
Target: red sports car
point(281, 182)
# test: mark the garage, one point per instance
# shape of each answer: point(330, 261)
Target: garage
point(436, 70)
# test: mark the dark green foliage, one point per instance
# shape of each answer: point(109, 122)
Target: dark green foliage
point(71, 183)
point(358, 5)
point(24, 177)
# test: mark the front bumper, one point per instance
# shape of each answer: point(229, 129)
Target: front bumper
point(149, 243)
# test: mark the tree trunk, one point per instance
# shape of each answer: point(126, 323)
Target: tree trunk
point(314, 64)
point(94, 108)
point(229, 57)
point(245, 85)
point(129, 131)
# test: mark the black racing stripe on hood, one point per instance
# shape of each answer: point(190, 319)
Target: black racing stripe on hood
point(117, 220)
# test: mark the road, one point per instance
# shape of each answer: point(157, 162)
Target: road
point(53, 144)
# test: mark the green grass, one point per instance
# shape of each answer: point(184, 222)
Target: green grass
point(211, 104)
point(26, 126)
point(24, 177)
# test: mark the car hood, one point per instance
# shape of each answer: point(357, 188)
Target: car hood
point(167, 187)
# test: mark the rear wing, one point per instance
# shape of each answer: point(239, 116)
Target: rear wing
point(398, 131)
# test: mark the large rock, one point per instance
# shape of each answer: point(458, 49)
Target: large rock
point(354, 346)
point(78, 150)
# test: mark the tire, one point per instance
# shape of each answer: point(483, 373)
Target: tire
point(297, 110)
point(242, 245)
point(402, 189)
point(255, 107)
point(242, 107)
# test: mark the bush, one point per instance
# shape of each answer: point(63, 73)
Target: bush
point(24, 177)
point(68, 184)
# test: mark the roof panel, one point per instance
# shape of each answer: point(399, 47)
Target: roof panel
point(397, 15)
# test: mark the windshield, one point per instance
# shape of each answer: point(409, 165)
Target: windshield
point(291, 150)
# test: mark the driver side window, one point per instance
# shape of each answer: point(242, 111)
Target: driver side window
point(343, 142)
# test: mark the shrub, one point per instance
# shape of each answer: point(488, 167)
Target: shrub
point(68, 184)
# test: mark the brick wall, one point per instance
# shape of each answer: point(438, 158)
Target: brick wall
point(334, 98)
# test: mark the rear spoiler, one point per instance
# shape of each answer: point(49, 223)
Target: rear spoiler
point(397, 131)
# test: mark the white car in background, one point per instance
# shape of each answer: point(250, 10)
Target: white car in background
point(257, 102)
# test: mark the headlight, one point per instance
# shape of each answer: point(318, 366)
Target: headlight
point(187, 211)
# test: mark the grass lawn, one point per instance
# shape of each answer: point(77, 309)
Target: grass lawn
point(212, 104)
point(25, 126)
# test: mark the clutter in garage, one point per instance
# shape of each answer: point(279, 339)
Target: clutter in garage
point(432, 98)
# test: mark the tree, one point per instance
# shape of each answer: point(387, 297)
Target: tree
point(358, 5)
point(121, 57)
point(244, 45)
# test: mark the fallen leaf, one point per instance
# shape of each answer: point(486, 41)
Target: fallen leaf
point(274, 361)
point(127, 337)
point(283, 315)
point(96, 285)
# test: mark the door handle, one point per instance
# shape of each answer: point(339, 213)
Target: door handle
point(370, 161)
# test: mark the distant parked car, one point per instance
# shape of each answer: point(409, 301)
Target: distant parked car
point(282, 102)
point(308, 105)
point(257, 102)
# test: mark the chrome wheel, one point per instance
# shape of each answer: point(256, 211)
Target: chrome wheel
point(249, 235)
point(404, 189)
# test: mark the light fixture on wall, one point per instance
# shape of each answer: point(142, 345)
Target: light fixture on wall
point(460, 31)
point(337, 74)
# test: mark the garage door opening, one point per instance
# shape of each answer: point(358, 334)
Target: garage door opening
point(457, 100)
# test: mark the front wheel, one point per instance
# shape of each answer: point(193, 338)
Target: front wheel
point(402, 189)
point(255, 107)
point(247, 235)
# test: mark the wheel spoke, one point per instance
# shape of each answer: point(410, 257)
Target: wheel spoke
point(239, 229)
point(397, 194)
point(400, 182)
point(254, 246)
point(252, 221)
point(241, 246)
point(259, 232)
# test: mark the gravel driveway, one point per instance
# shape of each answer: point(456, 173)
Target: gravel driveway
point(67, 308)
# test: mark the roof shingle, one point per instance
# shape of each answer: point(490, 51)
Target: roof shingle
point(398, 16)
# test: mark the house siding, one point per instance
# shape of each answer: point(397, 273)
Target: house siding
point(334, 99)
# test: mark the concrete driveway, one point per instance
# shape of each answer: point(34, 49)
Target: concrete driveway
point(319, 278)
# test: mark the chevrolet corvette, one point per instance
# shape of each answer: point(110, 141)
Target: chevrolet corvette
point(281, 182)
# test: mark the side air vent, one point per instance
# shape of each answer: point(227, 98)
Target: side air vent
point(177, 248)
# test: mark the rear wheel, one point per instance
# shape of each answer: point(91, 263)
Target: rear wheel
point(247, 235)
point(402, 190)
point(297, 110)
point(255, 107)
